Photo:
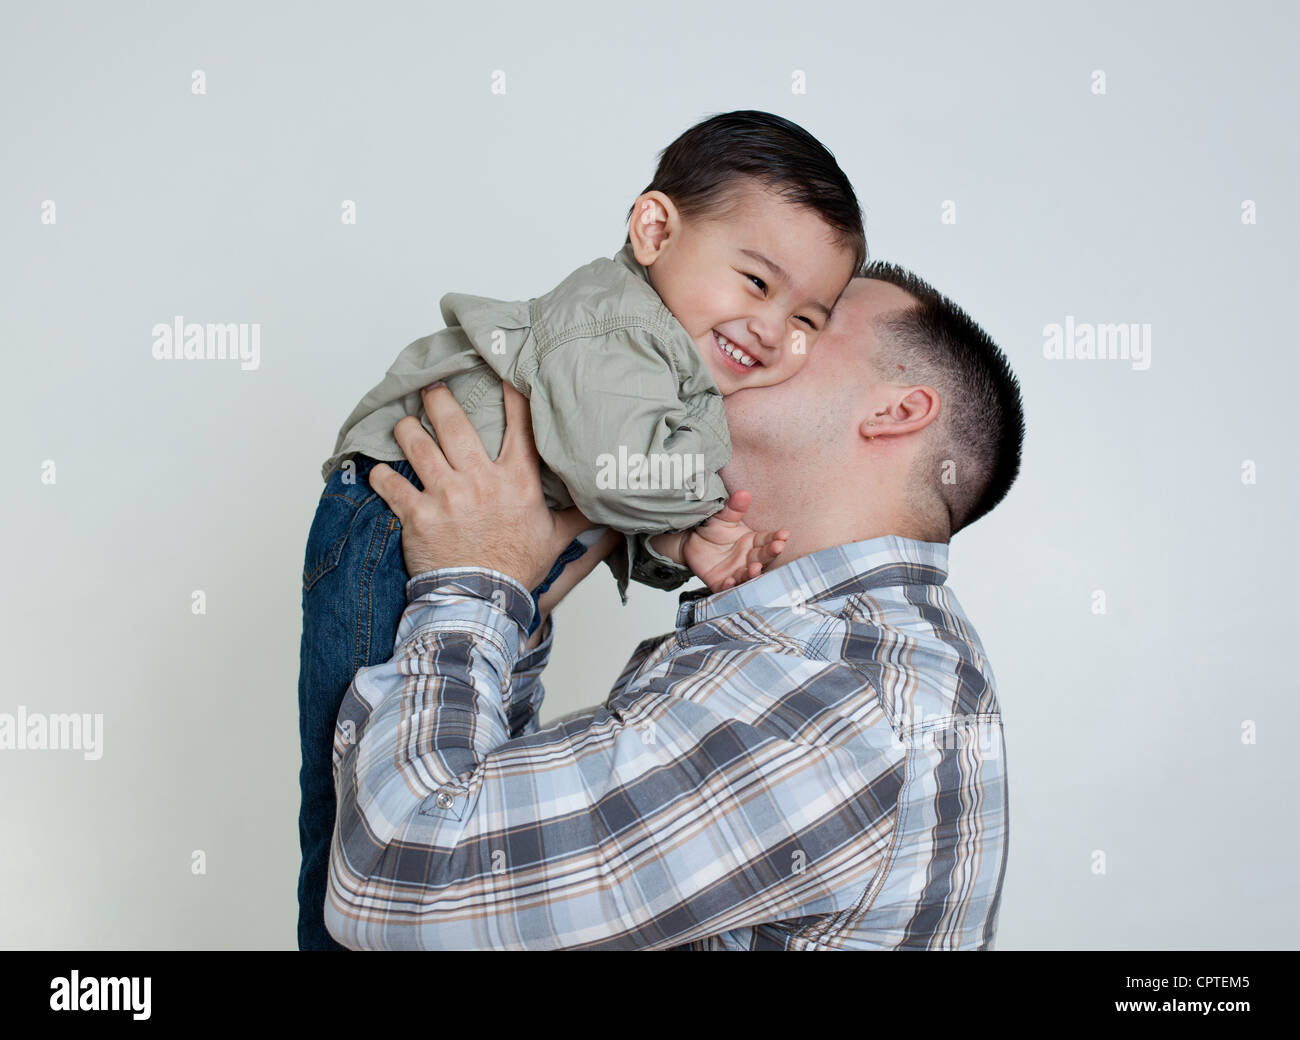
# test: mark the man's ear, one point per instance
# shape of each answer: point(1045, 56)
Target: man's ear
point(903, 409)
point(653, 223)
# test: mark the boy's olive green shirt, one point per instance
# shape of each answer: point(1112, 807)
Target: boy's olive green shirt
point(612, 378)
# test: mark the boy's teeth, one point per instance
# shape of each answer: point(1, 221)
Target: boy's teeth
point(735, 351)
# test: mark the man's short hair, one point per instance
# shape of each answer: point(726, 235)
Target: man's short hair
point(976, 456)
point(699, 171)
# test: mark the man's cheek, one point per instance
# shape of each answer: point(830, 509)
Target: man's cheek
point(794, 362)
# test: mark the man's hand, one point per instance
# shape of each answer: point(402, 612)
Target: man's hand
point(725, 551)
point(474, 512)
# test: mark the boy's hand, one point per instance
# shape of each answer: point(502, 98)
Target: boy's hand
point(724, 550)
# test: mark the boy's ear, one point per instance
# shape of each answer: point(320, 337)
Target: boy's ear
point(653, 223)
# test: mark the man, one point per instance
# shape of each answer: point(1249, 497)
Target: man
point(812, 760)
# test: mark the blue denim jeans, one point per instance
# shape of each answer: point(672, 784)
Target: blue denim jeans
point(353, 596)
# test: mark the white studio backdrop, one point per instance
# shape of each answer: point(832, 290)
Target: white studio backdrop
point(1133, 592)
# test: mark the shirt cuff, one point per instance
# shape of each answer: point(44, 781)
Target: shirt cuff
point(498, 590)
point(654, 569)
point(529, 667)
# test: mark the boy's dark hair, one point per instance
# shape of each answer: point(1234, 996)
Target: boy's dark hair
point(698, 169)
point(982, 421)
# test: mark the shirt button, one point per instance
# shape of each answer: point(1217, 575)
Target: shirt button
point(444, 800)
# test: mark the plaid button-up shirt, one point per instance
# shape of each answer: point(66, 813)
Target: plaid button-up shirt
point(812, 760)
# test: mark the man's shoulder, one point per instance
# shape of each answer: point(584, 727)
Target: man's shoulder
point(921, 651)
point(886, 610)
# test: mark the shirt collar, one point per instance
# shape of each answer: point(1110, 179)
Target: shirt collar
point(628, 259)
point(693, 375)
point(832, 573)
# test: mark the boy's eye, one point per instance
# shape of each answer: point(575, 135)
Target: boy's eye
point(762, 287)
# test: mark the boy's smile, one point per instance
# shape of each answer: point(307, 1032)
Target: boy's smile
point(733, 355)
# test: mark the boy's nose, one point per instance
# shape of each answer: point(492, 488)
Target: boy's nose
point(768, 333)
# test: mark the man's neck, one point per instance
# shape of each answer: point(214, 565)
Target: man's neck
point(820, 512)
point(811, 535)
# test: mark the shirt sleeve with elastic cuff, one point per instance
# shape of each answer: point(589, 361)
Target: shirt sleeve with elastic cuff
point(526, 690)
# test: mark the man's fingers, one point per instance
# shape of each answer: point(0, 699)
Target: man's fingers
point(460, 443)
point(395, 489)
point(518, 442)
point(421, 450)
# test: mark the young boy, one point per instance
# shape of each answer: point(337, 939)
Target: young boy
point(736, 253)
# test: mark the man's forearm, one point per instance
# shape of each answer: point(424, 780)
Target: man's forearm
point(482, 616)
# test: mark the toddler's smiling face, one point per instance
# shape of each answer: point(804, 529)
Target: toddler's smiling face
point(753, 284)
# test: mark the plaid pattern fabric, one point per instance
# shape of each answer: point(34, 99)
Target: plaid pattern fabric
point(811, 760)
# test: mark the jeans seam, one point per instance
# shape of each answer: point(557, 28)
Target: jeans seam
point(349, 498)
point(366, 603)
